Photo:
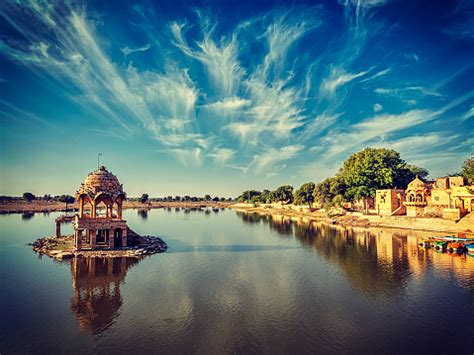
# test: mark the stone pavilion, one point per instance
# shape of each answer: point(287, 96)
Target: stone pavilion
point(101, 225)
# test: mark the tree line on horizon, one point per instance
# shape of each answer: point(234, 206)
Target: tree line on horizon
point(358, 179)
point(206, 198)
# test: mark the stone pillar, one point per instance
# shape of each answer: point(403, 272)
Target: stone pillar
point(78, 233)
point(93, 210)
point(124, 237)
point(58, 229)
point(81, 207)
point(92, 234)
point(119, 210)
point(111, 239)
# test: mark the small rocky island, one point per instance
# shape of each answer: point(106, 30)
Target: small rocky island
point(99, 229)
point(63, 247)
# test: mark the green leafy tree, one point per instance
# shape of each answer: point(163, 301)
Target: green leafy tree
point(28, 196)
point(304, 195)
point(255, 199)
point(66, 199)
point(144, 198)
point(246, 196)
point(266, 196)
point(284, 194)
point(375, 168)
point(467, 170)
point(207, 198)
point(329, 192)
point(415, 170)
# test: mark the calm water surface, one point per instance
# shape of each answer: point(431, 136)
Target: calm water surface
point(238, 283)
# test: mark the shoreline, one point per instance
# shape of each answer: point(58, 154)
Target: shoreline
point(47, 207)
point(357, 220)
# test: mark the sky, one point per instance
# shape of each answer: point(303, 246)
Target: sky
point(217, 97)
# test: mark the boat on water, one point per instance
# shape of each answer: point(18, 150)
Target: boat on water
point(456, 247)
point(425, 243)
point(440, 245)
point(470, 249)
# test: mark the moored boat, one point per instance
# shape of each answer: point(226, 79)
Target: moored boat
point(456, 247)
point(440, 245)
point(425, 243)
point(470, 249)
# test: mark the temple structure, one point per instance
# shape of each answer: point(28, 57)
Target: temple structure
point(448, 197)
point(100, 226)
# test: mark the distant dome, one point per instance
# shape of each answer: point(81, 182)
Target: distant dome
point(416, 184)
point(101, 182)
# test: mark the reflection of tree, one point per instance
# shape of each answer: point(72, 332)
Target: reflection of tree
point(250, 218)
point(371, 270)
point(369, 267)
point(96, 284)
point(27, 216)
point(143, 214)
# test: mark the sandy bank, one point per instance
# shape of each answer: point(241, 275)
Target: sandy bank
point(354, 219)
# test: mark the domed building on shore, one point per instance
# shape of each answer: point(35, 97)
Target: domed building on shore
point(101, 225)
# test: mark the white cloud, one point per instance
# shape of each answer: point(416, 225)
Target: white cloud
point(337, 78)
point(469, 113)
point(219, 59)
point(222, 155)
point(127, 50)
point(269, 160)
point(230, 103)
point(377, 107)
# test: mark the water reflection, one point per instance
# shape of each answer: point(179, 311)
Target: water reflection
point(27, 215)
point(377, 262)
point(96, 291)
point(143, 214)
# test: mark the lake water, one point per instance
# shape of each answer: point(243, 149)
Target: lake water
point(236, 283)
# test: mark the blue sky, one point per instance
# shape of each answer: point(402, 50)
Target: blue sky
point(221, 96)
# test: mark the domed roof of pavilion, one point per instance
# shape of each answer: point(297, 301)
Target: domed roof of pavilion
point(101, 182)
point(416, 184)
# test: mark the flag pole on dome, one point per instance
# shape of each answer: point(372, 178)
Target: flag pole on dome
point(98, 160)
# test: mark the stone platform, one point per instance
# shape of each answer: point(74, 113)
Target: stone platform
point(63, 248)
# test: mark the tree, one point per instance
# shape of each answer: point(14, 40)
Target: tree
point(329, 191)
point(207, 198)
point(266, 196)
point(467, 170)
point(215, 199)
point(246, 196)
point(177, 198)
point(284, 194)
point(66, 199)
point(28, 196)
point(305, 194)
point(144, 198)
point(415, 170)
point(375, 168)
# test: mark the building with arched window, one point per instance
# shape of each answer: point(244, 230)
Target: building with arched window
point(100, 226)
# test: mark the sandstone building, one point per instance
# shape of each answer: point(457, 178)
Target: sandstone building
point(101, 226)
point(446, 197)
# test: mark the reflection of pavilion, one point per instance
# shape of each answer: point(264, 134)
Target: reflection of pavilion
point(96, 284)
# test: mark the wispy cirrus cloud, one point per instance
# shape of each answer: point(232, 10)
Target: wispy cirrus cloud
point(338, 78)
point(127, 50)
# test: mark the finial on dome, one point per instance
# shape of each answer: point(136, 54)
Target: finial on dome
point(102, 168)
